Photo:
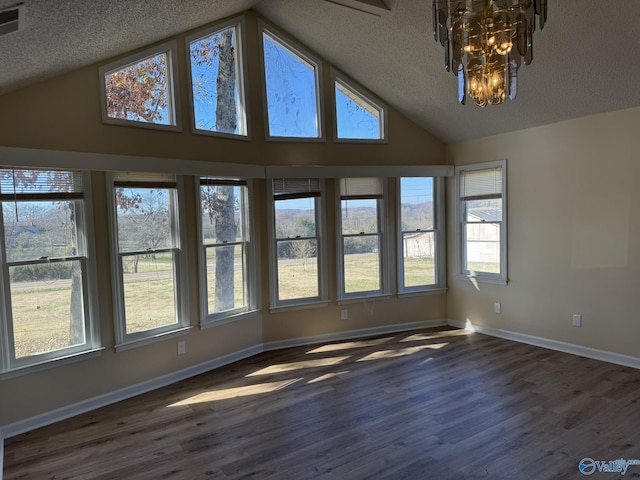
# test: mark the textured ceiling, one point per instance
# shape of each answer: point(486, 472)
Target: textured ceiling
point(585, 59)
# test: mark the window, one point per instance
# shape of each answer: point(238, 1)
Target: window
point(419, 240)
point(298, 245)
point(149, 256)
point(217, 87)
point(482, 221)
point(292, 89)
point(139, 90)
point(47, 272)
point(357, 117)
point(225, 249)
point(362, 241)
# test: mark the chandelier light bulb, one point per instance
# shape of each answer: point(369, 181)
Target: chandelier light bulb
point(485, 43)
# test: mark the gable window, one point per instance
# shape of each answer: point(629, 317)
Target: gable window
point(226, 255)
point(357, 116)
point(292, 90)
point(297, 242)
point(362, 264)
point(139, 90)
point(47, 272)
point(482, 221)
point(149, 257)
point(420, 212)
point(217, 86)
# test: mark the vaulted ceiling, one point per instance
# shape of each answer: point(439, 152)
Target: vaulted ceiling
point(586, 57)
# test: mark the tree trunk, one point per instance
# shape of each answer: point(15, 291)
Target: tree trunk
point(225, 219)
point(226, 113)
point(76, 327)
point(225, 231)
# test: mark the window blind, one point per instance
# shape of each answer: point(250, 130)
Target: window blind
point(361, 187)
point(21, 184)
point(481, 184)
point(144, 180)
point(284, 188)
point(207, 181)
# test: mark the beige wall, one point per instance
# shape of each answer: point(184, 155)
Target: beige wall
point(574, 233)
point(64, 114)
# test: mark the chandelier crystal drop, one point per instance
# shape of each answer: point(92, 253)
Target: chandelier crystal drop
point(485, 42)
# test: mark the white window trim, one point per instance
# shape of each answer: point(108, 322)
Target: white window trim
point(384, 249)
point(239, 24)
point(175, 119)
point(122, 339)
point(439, 238)
point(9, 365)
point(366, 95)
point(482, 277)
point(292, 45)
point(302, 302)
point(250, 274)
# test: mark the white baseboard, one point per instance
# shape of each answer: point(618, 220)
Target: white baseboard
point(351, 334)
point(617, 358)
point(84, 406)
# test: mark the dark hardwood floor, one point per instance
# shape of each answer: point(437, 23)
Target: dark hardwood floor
point(432, 404)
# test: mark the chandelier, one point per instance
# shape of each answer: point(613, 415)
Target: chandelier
point(485, 41)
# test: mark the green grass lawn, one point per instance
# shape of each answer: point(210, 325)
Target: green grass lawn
point(41, 313)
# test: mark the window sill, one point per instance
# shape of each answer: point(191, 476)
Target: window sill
point(152, 339)
point(299, 306)
point(47, 364)
point(478, 279)
point(422, 293)
point(364, 298)
point(228, 319)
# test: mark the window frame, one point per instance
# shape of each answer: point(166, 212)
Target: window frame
point(461, 252)
point(320, 237)
point(9, 364)
point(170, 49)
point(124, 340)
point(239, 24)
point(383, 242)
point(337, 77)
point(289, 44)
point(439, 239)
point(249, 267)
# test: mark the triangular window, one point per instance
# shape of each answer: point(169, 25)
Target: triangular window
point(291, 90)
point(357, 116)
point(217, 91)
point(140, 88)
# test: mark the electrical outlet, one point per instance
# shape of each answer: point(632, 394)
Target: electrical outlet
point(344, 314)
point(577, 320)
point(497, 308)
point(182, 347)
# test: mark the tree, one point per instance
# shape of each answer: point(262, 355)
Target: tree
point(221, 206)
point(145, 220)
point(52, 182)
point(139, 92)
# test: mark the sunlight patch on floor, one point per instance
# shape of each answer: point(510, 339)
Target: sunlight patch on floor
point(400, 352)
point(287, 367)
point(419, 337)
point(347, 345)
point(228, 393)
point(328, 376)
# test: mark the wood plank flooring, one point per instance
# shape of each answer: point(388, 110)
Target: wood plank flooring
point(431, 404)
